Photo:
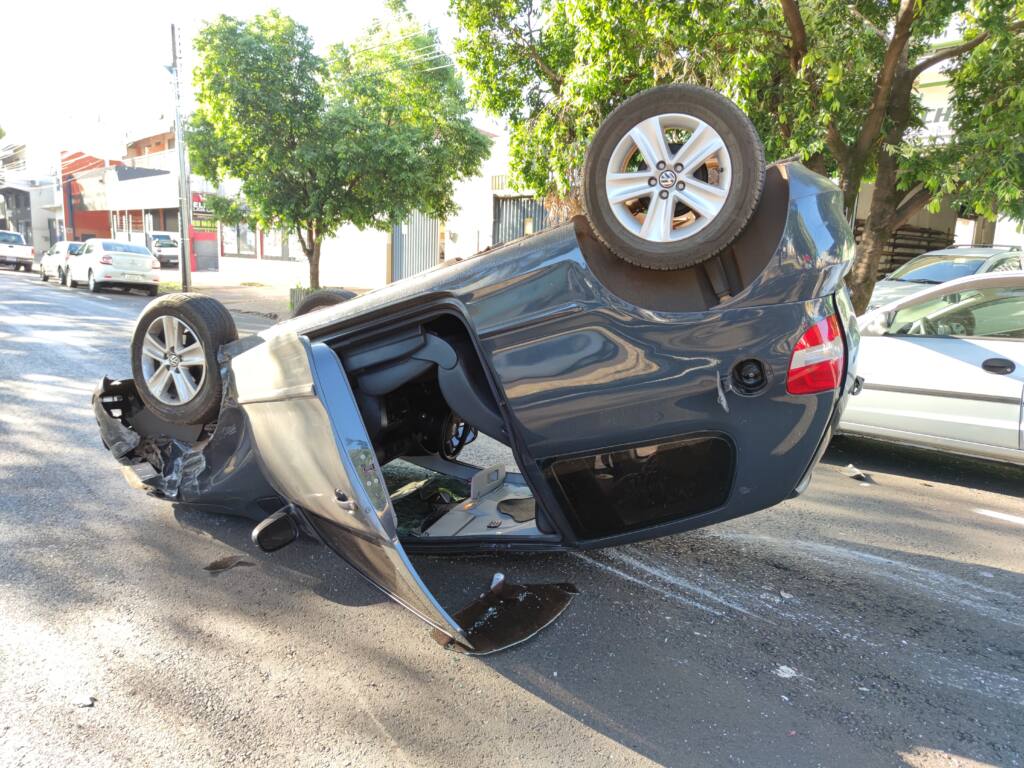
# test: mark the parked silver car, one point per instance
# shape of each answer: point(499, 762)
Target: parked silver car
point(112, 263)
point(937, 267)
point(944, 369)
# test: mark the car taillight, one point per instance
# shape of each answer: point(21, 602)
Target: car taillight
point(154, 264)
point(817, 361)
point(106, 259)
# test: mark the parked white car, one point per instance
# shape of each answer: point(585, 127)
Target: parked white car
point(14, 251)
point(108, 263)
point(944, 369)
point(55, 259)
point(165, 247)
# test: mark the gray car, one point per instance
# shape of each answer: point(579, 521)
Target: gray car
point(940, 266)
point(646, 384)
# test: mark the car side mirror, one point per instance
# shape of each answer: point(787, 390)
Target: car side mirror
point(877, 324)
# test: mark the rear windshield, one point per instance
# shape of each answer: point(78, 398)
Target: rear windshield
point(112, 246)
point(937, 269)
point(11, 238)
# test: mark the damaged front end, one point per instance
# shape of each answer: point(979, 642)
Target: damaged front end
point(302, 428)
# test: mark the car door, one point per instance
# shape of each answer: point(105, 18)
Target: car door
point(77, 264)
point(315, 451)
point(949, 366)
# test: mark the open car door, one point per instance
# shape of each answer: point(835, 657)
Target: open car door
point(315, 451)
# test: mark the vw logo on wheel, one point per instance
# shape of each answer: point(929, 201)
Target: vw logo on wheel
point(667, 179)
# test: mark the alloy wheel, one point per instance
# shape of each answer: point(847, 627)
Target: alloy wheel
point(668, 177)
point(173, 361)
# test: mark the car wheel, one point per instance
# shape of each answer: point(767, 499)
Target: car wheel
point(324, 297)
point(72, 283)
point(42, 274)
point(672, 177)
point(153, 291)
point(174, 356)
point(93, 288)
point(27, 267)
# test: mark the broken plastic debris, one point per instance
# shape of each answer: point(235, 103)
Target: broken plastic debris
point(857, 474)
point(222, 564)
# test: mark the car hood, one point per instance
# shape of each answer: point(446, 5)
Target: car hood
point(890, 290)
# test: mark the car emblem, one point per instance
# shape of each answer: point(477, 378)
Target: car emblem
point(667, 179)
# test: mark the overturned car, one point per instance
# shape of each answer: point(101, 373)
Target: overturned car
point(675, 358)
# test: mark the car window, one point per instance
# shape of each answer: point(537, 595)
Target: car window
point(1006, 264)
point(74, 248)
point(937, 269)
point(11, 238)
point(988, 312)
point(114, 246)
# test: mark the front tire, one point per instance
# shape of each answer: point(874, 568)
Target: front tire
point(42, 274)
point(174, 356)
point(324, 297)
point(672, 177)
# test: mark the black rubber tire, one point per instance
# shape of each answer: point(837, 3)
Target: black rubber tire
point(214, 327)
point(27, 267)
point(154, 291)
point(94, 287)
point(43, 276)
point(324, 297)
point(748, 171)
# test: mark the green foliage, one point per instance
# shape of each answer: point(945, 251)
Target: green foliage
point(365, 135)
point(555, 68)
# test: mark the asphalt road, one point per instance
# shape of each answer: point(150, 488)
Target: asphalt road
point(863, 624)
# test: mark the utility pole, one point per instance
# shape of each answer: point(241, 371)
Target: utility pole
point(184, 189)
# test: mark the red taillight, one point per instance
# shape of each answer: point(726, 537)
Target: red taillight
point(817, 361)
point(106, 259)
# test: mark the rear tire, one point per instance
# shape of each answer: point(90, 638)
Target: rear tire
point(324, 297)
point(179, 378)
point(27, 267)
point(42, 275)
point(93, 285)
point(672, 177)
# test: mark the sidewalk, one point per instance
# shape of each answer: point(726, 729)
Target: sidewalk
point(270, 301)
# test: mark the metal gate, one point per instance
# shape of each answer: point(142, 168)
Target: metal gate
point(518, 216)
point(415, 246)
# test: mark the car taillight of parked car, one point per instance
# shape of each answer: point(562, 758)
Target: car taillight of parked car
point(155, 264)
point(817, 361)
point(106, 259)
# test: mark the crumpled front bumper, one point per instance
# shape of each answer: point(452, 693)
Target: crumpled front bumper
point(186, 464)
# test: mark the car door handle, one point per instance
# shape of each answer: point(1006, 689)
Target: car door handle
point(999, 365)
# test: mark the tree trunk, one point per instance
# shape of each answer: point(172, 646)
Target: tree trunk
point(878, 230)
point(885, 200)
point(314, 263)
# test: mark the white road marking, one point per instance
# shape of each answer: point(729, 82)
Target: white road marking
point(1000, 516)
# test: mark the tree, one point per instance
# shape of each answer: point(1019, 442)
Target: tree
point(364, 135)
point(828, 80)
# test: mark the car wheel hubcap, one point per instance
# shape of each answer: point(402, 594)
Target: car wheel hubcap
point(668, 177)
point(173, 361)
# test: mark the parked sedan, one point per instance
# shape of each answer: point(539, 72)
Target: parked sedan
point(944, 369)
point(941, 266)
point(165, 248)
point(55, 259)
point(675, 358)
point(109, 263)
